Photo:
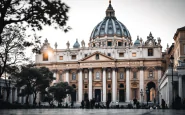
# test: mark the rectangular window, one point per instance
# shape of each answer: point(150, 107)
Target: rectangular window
point(133, 54)
point(85, 55)
point(45, 56)
point(121, 54)
point(109, 54)
point(73, 57)
point(119, 43)
point(150, 52)
point(109, 43)
point(60, 57)
point(109, 85)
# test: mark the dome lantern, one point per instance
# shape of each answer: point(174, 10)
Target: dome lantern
point(110, 11)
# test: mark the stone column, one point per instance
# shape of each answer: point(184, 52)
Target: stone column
point(54, 75)
point(67, 76)
point(141, 83)
point(104, 85)
point(20, 97)
point(90, 83)
point(10, 96)
point(4, 94)
point(67, 80)
point(31, 99)
point(15, 95)
point(127, 84)
point(180, 86)
point(80, 86)
point(158, 68)
point(114, 83)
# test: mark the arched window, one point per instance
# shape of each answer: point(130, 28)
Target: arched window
point(150, 73)
point(45, 56)
point(86, 75)
point(121, 75)
point(134, 74)
point(97, 56)
point(97, 75)
point(150, 52)
point(73, 76)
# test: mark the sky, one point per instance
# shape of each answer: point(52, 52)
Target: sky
point(161, 17)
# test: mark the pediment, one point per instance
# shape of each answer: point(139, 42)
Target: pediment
point(102, 57)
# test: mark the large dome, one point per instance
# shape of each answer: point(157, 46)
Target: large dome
point(110, 27)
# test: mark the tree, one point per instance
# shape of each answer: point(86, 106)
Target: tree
point(34, 80)
point(48, 98)
point(35, 13)
point(12, 49)
point(9, 79)
point(43, 82)
point(60, 91)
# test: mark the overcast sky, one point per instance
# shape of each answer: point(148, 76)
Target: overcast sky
point(161, 17)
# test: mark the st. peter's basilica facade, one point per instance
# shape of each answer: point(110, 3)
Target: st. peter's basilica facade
point(112, 67)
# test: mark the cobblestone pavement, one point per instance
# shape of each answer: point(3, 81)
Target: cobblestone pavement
point(91, 112)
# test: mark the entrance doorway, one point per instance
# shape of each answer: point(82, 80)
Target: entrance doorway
point(73, 96)
point(109, 96)
point(121, 95)
point(85, 96)
point(97, 95)
point(151, 91)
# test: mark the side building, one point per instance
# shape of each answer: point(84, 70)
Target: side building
point(175, 70)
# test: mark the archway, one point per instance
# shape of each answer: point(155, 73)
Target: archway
point(151, 95)
point(73, 95)
point(121, 93)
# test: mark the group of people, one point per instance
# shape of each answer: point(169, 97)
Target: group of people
point(88, 104)
point(93, 104)
point(178, 103)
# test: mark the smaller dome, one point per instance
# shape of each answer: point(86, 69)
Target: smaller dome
point(76, 45)
point(137, 42)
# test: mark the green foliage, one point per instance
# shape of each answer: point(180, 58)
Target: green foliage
point(34, 79)
point(35, 13)
point(60, 90)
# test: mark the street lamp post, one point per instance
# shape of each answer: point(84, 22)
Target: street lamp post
point(147, 94)
point(141, 92)
point(172, 60)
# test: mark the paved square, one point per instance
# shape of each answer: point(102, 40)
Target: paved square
point(91, 112)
